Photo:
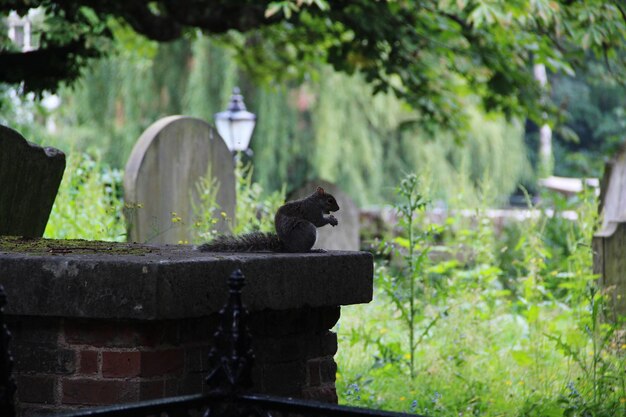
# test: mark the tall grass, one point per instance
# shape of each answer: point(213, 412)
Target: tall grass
point(518, 330)
point(88, 204)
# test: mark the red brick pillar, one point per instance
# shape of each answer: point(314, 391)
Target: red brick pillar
point(95, 330)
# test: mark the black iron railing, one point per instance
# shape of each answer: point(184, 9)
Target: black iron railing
point(230, 380)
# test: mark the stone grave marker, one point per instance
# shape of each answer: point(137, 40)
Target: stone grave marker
point(29, 180)
point(344, 236)
point(609, 242)
point(161, 177)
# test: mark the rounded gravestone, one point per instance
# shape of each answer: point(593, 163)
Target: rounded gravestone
point(344, 236)
point(162, 176)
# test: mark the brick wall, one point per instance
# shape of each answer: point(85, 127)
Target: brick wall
point(295, 352)
point(62, 364)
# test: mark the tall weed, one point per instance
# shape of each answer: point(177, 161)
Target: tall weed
point(519, 332)
point(207, 216)
point(595, 344)
point(254, 210)
point(88, 204)
point(406, 284)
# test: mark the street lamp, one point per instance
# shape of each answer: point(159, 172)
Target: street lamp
point(235, 125)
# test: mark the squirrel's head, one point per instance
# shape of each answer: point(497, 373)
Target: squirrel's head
point(327, 200)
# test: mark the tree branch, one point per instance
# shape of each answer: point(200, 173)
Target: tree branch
point(464, 25)
point(221, 17)
point(162, 28)
point(43, 68)
point(621, 10)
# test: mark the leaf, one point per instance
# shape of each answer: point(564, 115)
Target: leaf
point(271, 10)
point(568, 351)
point(322, 4)
point(552, 410)
point(532, 314)
point(522, 357)
point(403, 242)
point(586, 40)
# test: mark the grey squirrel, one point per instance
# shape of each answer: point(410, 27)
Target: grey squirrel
point(295, 223)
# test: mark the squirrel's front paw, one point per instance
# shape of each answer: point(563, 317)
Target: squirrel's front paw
point(332, 220)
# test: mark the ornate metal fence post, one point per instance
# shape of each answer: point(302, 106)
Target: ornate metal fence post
point(231, 358)
point(7, 383)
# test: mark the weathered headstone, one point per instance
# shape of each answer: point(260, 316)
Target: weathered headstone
point(29, 180)
point(609, 243)
point(161, 177)
point(344, 236)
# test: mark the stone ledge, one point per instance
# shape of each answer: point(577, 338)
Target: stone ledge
point(175, 281)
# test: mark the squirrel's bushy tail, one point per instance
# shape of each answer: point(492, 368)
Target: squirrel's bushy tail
point(249, 242)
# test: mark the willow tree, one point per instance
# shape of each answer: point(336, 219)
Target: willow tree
point(213, 74)
point(368, 144)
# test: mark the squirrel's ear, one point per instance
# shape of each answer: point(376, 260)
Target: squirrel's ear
point(320, 191)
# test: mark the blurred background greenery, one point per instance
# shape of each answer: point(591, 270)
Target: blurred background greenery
point(463, 114)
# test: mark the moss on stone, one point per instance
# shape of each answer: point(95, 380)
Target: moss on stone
point(20, 244)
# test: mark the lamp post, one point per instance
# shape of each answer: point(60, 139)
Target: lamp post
point(236, 124)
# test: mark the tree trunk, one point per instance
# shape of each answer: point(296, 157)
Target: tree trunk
point(545, 132)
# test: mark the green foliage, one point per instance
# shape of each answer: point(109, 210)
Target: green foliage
point(329, 128)
point(593, 121)
point(492, 156)
point(350, 132)
point(207, 217)
point(281, 150)
point(600, 390)
point(520, 334)
point(211, 79)
point(364, 144)
point(431, 54)
point(428, 54)
point(254, 211)
point(88, 204)
point(410, 281)
point(288, 7)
